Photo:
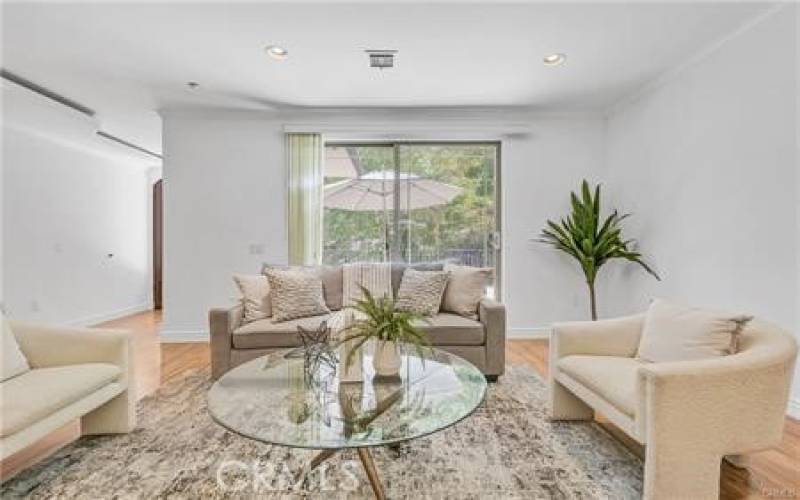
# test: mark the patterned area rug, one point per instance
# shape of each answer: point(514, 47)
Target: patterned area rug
point(507, 449)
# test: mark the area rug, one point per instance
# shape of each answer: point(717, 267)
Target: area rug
point(506, 450)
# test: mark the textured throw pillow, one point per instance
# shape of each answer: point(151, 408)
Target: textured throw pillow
point(398, 268)
point(295, 294)
point(256, 299)
point(14, 362)
point(465, 289)
point(679, 333)
point(421, 291)
point(331, 277)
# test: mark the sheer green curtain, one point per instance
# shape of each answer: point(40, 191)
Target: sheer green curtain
point(304, 155)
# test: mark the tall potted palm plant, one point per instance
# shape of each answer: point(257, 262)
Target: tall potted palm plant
point(590, 240)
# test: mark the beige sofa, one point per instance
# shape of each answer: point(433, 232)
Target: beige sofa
point(76, 373)
point(689, 414)
point(481, 342)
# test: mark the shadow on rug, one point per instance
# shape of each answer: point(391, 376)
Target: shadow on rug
point(506, 449)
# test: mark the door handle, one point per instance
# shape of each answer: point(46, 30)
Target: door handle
point(494, 240)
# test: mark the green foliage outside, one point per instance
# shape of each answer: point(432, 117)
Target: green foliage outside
point(459, 230)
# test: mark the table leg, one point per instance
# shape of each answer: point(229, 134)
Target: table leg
point(372, 472)
point(315, 462)
point(321, 457)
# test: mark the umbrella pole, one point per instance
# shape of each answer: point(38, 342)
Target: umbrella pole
point(385, 226)
point(385, 236)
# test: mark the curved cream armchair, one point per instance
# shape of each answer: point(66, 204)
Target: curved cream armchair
point(76, 373)
point(689, 414)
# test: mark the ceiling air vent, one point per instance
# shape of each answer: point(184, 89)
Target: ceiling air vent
point(381, 59)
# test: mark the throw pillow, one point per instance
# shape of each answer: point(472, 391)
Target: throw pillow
point(331, 277)
point(256, 299)
point(421, 291)
point(398, 268)
point(14, 362)
point(679, 333)
point(465, 289)
point(295, 294)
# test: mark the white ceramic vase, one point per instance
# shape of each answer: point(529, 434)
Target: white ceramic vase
point(386, 359)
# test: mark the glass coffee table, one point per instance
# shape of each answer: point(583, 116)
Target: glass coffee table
point(281, 399)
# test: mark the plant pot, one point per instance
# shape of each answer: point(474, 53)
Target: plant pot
point(386, 359)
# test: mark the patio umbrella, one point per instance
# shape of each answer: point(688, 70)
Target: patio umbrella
point(338, 163)
point(374, 192)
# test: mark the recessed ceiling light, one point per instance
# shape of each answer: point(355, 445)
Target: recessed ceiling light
point(277, 52)
point(555, 59)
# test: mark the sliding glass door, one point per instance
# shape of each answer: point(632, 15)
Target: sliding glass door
point(359, 203)
point(412, 202)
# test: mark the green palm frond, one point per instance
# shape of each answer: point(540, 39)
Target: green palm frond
point(382, 321)
point(590, 239)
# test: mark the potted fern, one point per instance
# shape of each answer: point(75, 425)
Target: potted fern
point(378, 319)
point(590, 240)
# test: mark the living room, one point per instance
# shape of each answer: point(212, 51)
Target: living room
point(182, 211)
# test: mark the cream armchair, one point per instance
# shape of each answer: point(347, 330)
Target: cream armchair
point(76, 373)
point(689, 414)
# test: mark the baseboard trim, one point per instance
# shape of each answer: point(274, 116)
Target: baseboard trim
point(793, 409)
point(181, 336)
point(109, 316)
point(539, 332)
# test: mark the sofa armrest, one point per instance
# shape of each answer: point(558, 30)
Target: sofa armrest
point(51, 345)
point(222, 322)
point(729, 405)
point(493, 316)
point(607, 337)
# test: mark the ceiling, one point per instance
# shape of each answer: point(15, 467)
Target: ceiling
point(128, 60)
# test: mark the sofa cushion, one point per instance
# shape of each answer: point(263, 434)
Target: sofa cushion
point(398, 268)
point(331, 277)
point(295, 293)
point(266, 333)
point(256, 300)
point(421, 292)
point(610, 377)
point(452, 329)
point(674, 332)
point(40, 392)
point(465, 289)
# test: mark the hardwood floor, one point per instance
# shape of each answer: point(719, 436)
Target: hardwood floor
point(774, 473)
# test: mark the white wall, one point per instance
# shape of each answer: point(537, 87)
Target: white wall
point(707, 161)
point(224, 187)
point(66, 206)
point(224, 191)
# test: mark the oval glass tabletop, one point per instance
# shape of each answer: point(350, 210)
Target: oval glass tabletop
point(281, 399)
